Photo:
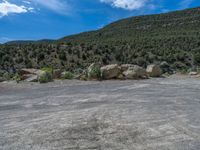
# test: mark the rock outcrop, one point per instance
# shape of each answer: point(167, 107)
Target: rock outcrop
point(110, 71)
point(135, 72)
point(193, 73)
point(154, 71)
point(125, 67)
point(57, 73)
point(26, 71)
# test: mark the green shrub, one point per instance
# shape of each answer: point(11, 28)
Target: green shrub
point(48, 69)
point(7, 76)
point(17, 78)
point(67, 75)
point(45, 77)
point(83, 78)
point(183, 71)
point(94, 72)
point(2, 73)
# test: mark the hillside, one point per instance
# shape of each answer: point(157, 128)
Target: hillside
point(172, 37)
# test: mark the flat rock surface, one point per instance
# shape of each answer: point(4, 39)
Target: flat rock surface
point(154, 114)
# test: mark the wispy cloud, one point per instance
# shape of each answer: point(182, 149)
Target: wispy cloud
point(185, 3)
point(126, 4)
point(5, 39)
point(7, 8)
point(58, 6)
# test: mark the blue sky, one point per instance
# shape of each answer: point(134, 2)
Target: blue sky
point(52, 19)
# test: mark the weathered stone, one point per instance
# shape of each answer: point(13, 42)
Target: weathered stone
point(32, 78)
point(26, 76)
point(193, 73)
point(57, 73)
point(110, 71)
point(124, 67)
point(154, 71)
point(29, 71)
point(121, 77)
point(135, 72)
point(130, 74)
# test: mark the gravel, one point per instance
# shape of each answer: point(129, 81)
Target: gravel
point(154, 114)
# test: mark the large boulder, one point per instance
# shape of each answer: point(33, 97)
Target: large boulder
point(30, 75)
point(135, 72)
point(193, 73)
point(26, 71)
point(110, 71)
point(57, 73)
point(125, 67)
point(32, 78)
point(94, 71)
point(154, 71)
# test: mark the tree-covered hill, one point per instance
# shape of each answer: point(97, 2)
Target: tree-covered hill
point(172, 37)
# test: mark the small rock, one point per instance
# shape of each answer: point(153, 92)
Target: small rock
point(193, 73)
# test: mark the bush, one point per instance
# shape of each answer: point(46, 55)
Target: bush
point(45, 77)
point(94, 71)
point(2, 73)
point(7, 76)
point(49, 70)
point(17, 78)
point(83, 78)
point(67, 75)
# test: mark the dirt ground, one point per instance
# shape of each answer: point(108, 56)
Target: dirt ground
point(154, 114)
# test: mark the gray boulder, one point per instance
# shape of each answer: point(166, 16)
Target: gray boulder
point(32, 78)
point(25, 71)
point(57, 73)
point(193, 73)
point(135, 72)
point(110, 71)
point(154, 71)
point(30, 75)
point(125, 67)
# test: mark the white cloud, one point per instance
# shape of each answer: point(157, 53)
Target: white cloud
point(7, 8)
point(126, 4)
point(58, 6)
